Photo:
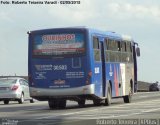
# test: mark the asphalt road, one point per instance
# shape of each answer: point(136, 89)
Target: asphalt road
point(144, 109)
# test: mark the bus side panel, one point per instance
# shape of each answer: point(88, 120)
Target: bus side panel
point(98, 78)
point(115, 74)
point(129, 78)
point(120, 76)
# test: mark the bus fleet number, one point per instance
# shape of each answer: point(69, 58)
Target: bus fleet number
point(60, 67)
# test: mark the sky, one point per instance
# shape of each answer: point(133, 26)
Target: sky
point(137, 18)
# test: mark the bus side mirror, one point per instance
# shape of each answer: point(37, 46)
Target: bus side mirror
point(138, 51)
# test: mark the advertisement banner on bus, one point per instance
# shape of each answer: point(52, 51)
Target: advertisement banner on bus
point(58, 44)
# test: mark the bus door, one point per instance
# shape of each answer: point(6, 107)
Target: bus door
point(103, 68)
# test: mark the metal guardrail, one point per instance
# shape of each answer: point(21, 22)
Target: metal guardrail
point(143, 86)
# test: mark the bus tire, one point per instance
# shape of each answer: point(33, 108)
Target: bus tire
point(52, 104)
point(81, 103)
point(62, 104)
point(109, 96)
point(128, 98)
point(31, 100)
point(97, 102)
point(6, 102)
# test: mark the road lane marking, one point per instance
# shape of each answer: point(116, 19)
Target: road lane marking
point(142, 96)
point(103, 108)
point(90, 110)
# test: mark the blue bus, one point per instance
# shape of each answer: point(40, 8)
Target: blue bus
point(80, 64)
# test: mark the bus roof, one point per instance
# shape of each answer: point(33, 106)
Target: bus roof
point(108, 34)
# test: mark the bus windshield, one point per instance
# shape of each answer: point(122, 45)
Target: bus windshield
point(58, 44)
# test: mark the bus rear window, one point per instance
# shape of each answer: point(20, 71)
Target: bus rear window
point(58, 44)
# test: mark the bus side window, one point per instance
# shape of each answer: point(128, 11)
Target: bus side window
point(129, 51)
point(95, 43)
point(123, 46)
point(112, 49)
point(119, 45)
point(123, 52)
point(96, 49)
point(106, 44)
point(116, 52)
point(107, 51)
point(130, 46)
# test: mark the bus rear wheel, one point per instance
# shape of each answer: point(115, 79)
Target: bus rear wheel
point(52, 104)
point(57, 103)
point(62, 104)
point(6, 102)
point(81, 102)
point(97, 102)
point(109, 96)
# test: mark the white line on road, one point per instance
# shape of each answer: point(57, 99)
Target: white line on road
point(104, 108)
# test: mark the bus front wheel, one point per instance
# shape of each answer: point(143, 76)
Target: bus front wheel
point(128, 98)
